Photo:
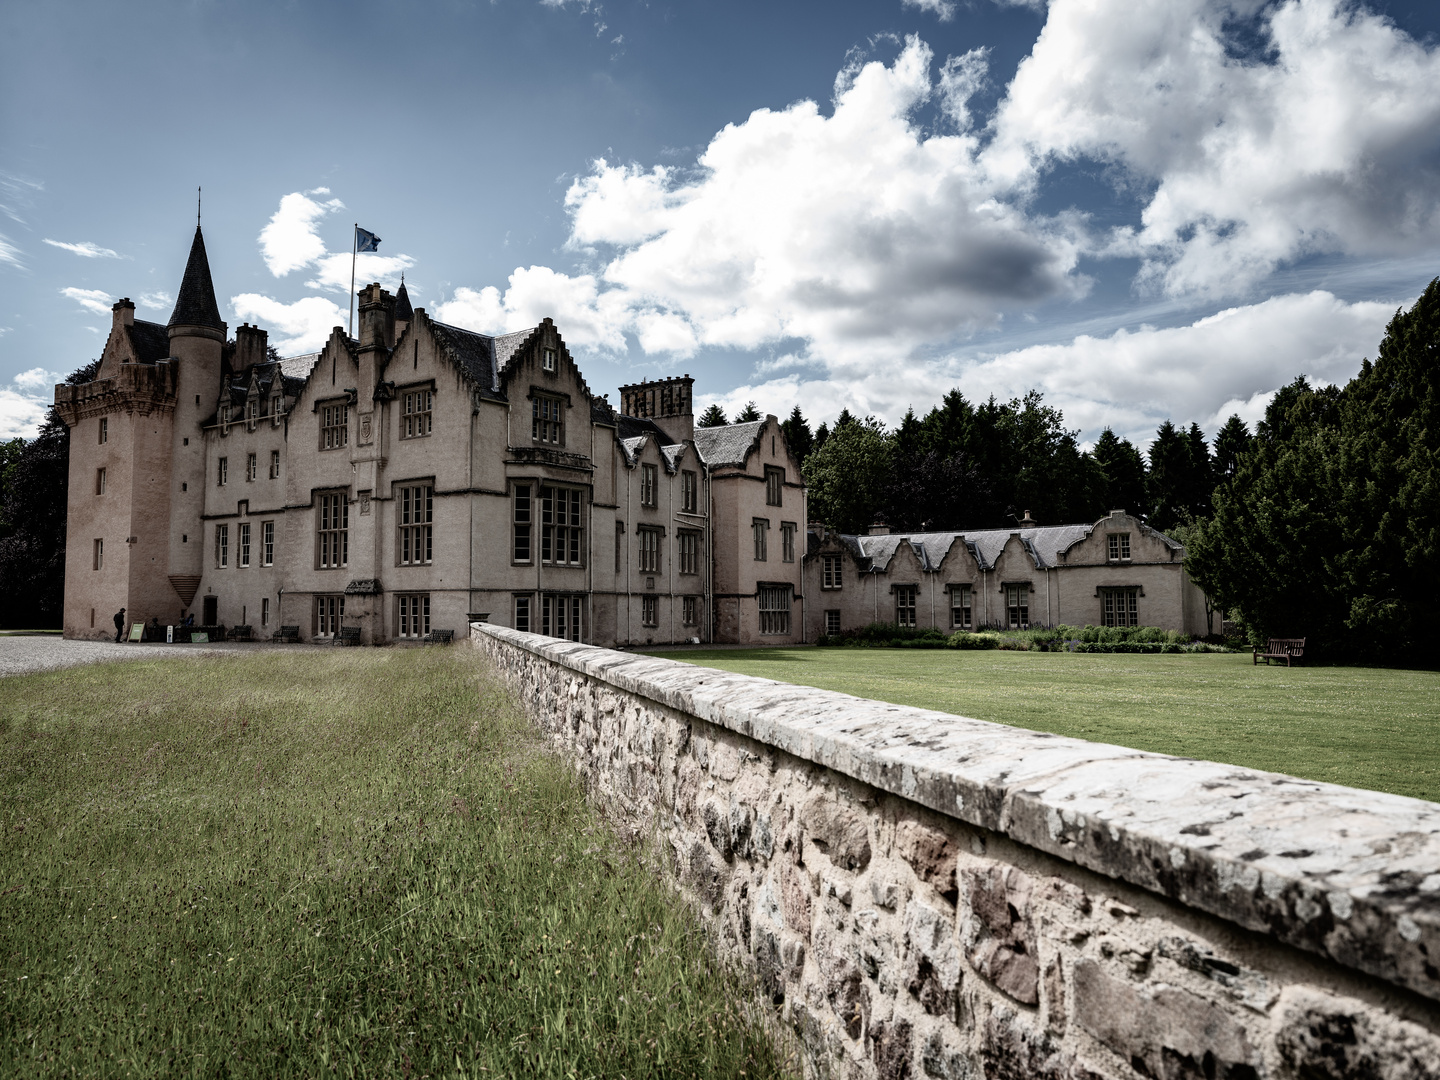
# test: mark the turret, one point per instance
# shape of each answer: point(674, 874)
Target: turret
point(669, 402)
point(404, 314)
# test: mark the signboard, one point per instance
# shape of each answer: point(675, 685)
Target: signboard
point(137, 632)
point(169, 635)
point(200, 638)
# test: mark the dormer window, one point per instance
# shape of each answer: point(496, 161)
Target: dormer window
point(252, 410)
point(547, 359)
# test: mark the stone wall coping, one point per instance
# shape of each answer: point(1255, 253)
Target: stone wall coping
point(1350, 874)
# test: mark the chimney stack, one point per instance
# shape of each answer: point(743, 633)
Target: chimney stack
point(669, 402)
point(250, 347)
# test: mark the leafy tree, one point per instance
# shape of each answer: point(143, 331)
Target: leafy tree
point(848, 475)
point(748, 414)
point(10, 452)
point(714, 416)
point(1124, 472)
point(797, 435)
point(32, 556)
point(1231, 443)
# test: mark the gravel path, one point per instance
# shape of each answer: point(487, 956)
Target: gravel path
point(20, 654)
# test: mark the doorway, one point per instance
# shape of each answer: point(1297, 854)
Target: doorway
point(212, 611)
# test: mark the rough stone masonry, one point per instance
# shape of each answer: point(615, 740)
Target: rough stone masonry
point(922, 894)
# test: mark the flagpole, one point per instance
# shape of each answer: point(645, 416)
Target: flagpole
point(354, 246)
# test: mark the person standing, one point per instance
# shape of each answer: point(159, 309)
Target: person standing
point(119, 626)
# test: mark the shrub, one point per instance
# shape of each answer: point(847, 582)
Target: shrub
point(962, 639)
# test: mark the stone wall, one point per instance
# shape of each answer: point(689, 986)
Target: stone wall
point(925, 895)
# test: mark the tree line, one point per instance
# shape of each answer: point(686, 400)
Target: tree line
point(969, 465)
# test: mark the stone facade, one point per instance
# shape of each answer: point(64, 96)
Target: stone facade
point(1114, 572)
point(397, 482)
point(924, 895)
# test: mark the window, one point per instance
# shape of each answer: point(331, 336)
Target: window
point(547, 422)
point(649, 481)
point(774, 485)
point(104, 429)
point(265, 612)
point(688, 610)
point(649, 544)
point(761, 527)
point(99, 555)
point(334, 530)
point(830, 571)
point(417, 511)
point(560, 616)
point(334, 425)
point(787, 541)
point(244, 538)
point(252, 469)
point(329, 612)
point(222, 472)
point(1119, 547)
point(267, 543)
point(222, 545)
point(522, 523)
point(414, 615)
point(252, 410)
point(547, 359)
point(415, 413)
point(274, 464)
point(961, 607)
point(1120, 607)
point(689, 492)
point(225, 417)
point(99, 481)
point(560, 526)
point(650, 611)
point(689, 544)
point(522, 613)
point(904, 605)
point(832, 621)
point(775, 609)
point(1017, 605)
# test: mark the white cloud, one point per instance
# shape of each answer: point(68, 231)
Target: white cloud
point(852, 231)
point(333, 272)
point(96, 300)
point(9, 253)
point(37, 379)
point(1329, 144)
point(306, 323)
point(291, 239)
point(943, 9)
point(586, 316)
point(159, 299)
point(85, 249)
point(24, 402)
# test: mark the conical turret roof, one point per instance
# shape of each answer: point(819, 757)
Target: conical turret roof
point(403, 310)
point(196, 304)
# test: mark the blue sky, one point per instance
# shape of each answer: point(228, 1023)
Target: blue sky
point(1141, 209)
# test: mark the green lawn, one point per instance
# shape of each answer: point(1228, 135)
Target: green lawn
point(358, 863)
point(1365, 727)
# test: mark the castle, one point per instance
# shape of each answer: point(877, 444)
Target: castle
point(410, 480)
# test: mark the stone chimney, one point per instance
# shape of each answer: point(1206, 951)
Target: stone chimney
point(1028, 522)
point(250, 347)
point(122, 314)
point(879, 529)
point(669, 402)
point(377, 318)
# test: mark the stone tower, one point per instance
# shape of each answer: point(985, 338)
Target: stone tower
point(136, 476)
point(669, 402)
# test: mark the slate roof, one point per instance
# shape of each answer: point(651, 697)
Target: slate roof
point(629, 427)
point(727, 445)
point(299, 367)
point(672, 455)
point(403, 310)
point(150, 340)
point(196, 304)
point(473, 353)
point(631, 447)
point(1044, 545)
point(505, 346)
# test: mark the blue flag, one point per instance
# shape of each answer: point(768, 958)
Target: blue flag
point(365, 240)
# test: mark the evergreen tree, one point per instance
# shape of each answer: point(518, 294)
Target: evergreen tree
point(797, 435)
point(848, 476)
point(843, 419)
point(1124, 473)
point(1170, 482)
point(714, 416)
point(1231, 442)
point(1199, 480)
point(822, 433)
point(748, 414)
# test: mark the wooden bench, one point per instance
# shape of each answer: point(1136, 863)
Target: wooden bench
point(440, 637)
point(1289, 649)
point(348, 635)
point(240, 633)
point(286, 633)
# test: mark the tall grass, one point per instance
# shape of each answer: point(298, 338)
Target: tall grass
point(316, 864)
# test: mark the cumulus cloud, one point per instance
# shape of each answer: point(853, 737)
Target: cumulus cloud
point(844, 230)
point(85, 249)
point(291, 241)
point(942, 9)
point(24, 402)
point(586, 316)
point(305, 324)
point(1323, 139)
point(159, 299)
point(96, 300)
